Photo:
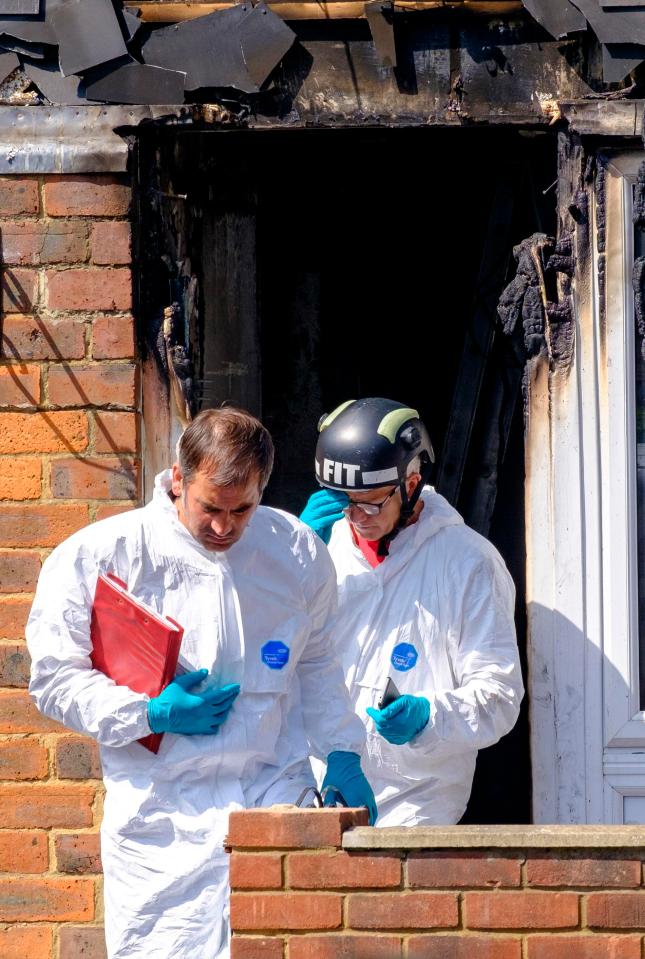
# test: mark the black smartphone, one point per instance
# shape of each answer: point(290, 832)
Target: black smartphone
point(389, 694)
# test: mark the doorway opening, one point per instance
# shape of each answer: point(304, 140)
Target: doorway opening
point(319, 266)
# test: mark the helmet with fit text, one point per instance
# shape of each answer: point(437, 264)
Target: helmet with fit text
point(365, 444)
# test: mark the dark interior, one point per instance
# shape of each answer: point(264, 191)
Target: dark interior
point(368, 252)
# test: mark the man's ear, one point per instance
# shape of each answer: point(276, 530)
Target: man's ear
point(177, 484)
point(411, 482)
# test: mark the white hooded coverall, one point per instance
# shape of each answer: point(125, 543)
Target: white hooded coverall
point(166, 877)
point(437, 616)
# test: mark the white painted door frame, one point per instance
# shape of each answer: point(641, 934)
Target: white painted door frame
point(587, 729)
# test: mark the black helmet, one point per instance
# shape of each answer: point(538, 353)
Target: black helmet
point(365, 444)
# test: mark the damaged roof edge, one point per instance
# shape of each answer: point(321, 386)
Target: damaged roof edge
point(78, 139)
point(603, 117)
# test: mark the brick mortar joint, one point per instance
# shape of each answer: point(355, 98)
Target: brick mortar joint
point(275, 850)
point(86, 314)
point(77, 364)
point(124, 361)
point(79, 266)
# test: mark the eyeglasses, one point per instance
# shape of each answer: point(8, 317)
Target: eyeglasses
point(370, 509)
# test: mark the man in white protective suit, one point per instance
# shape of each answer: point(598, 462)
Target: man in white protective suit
point(423, 600)
point(261, 688)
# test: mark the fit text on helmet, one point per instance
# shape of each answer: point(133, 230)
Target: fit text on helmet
point(349, 476)
point(338, 473)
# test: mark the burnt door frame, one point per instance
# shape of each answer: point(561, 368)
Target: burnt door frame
point(587, 729)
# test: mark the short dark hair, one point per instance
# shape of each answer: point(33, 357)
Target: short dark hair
point(230, 444)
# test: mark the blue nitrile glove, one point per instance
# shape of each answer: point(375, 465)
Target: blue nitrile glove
point(323, 509)
point(345, 773)
point(176, 710)
point(402, 720)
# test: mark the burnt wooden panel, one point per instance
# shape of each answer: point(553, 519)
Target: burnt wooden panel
point(452, 70)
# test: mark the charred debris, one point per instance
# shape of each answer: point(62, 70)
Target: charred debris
point(95, 51)
point(100, 51)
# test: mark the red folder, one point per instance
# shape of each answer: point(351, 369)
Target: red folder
point(132, 644)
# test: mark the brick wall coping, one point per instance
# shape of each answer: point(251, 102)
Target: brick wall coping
point(500, 837)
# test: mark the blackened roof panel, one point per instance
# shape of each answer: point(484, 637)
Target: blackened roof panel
point(611, 26)
point(53, 86)
point(265, 38)
point(558, 17)
point(8, 63)
point(207, 48)
point(132, 24)
point(619, 59)
point(88, 34)
point(138, 83)
point(36, 30)
point(221, 49)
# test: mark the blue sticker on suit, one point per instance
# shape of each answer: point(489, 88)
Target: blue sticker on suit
point(275, 654)
point(404, 657)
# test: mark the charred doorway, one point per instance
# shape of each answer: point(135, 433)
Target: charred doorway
point(311, 267)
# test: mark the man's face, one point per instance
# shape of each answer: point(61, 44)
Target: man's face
point(375, 527)
point(216, 516)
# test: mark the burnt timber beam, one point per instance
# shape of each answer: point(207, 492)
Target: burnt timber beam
point(157, 11)
point(601, 117)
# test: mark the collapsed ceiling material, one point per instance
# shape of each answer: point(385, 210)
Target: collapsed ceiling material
point(619, 26)
point(36, 29)
point(49, 80)
point(88, 34)
point(237, 47)
point(8, 63)
point(558, 19)
point(93, 50)
point(619, 59)
point(75, 51)
point(135, 82)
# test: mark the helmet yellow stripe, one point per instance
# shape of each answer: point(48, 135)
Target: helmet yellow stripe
point(332, 416)
point(393, 421)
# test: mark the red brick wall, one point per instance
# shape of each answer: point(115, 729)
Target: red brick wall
point(69, 454)
point(298, 895)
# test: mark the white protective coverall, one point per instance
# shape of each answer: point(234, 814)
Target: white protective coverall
point(437, 616)
point(166, 877)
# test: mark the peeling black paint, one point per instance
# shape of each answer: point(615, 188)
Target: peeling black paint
point(579, 207)
point(638, 283)
point(561, 331)
point(601, 237)
point(639, 198)
point(561, 264)
point(601, 204)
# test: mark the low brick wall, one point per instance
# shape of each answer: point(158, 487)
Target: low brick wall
point(69, 454)
point(306, 885)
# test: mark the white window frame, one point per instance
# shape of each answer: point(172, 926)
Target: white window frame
point(624, 721)
point(623, 718)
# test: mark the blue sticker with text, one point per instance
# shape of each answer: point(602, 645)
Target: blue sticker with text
point(404, 657)
point(275, 654)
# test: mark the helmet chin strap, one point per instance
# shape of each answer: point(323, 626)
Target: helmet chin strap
point(407, 508)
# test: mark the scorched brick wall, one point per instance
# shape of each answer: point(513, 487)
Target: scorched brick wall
point(69, 454)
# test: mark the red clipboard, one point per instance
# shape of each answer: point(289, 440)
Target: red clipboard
point(132, 643)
